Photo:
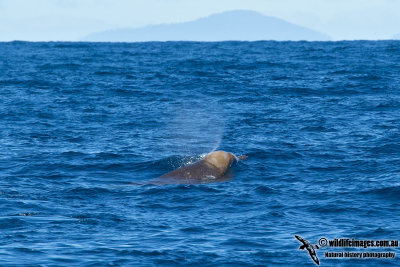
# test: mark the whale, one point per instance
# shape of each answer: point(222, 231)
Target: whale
point(211, 168)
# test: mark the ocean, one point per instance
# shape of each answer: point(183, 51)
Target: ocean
point(83, 126)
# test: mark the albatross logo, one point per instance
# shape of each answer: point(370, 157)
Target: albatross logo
point(310, 248)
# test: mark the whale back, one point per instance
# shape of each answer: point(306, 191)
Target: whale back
point(215, 164)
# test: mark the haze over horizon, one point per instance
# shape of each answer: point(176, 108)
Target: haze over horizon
point(71, 20)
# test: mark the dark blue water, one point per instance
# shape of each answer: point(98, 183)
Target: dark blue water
point(79, 122)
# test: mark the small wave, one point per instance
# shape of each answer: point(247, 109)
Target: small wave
point(155, 190)
point(366, 78)
point(39, 84)
point(236, 242)
point(85, 193)
point(67, 66)
point(332, 208)
point(264, 190)
point(341, 72)
point(327, 168)
point(393, 149)
point(111, 155)
point(388, 105)
point(27, 250)
point(10, 223)
point(73, 154)
point(143, 252)
point(107, 73)
point(96, 217)
point(185, 189)
point(194, 229)
point(392, 192)
point(26, 214)
point(273, 154)
point(376, 233)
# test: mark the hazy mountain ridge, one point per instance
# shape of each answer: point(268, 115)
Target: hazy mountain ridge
point(231, 25)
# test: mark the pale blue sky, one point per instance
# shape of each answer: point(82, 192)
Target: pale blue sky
point(72, 19)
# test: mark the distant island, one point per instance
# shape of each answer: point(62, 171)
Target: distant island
point(240, 25)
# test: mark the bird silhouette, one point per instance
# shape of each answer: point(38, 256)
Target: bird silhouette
point(310, 248)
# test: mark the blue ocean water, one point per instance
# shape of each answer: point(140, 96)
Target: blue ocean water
point(79, 122)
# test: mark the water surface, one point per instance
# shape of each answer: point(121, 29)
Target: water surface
point(319, 122)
